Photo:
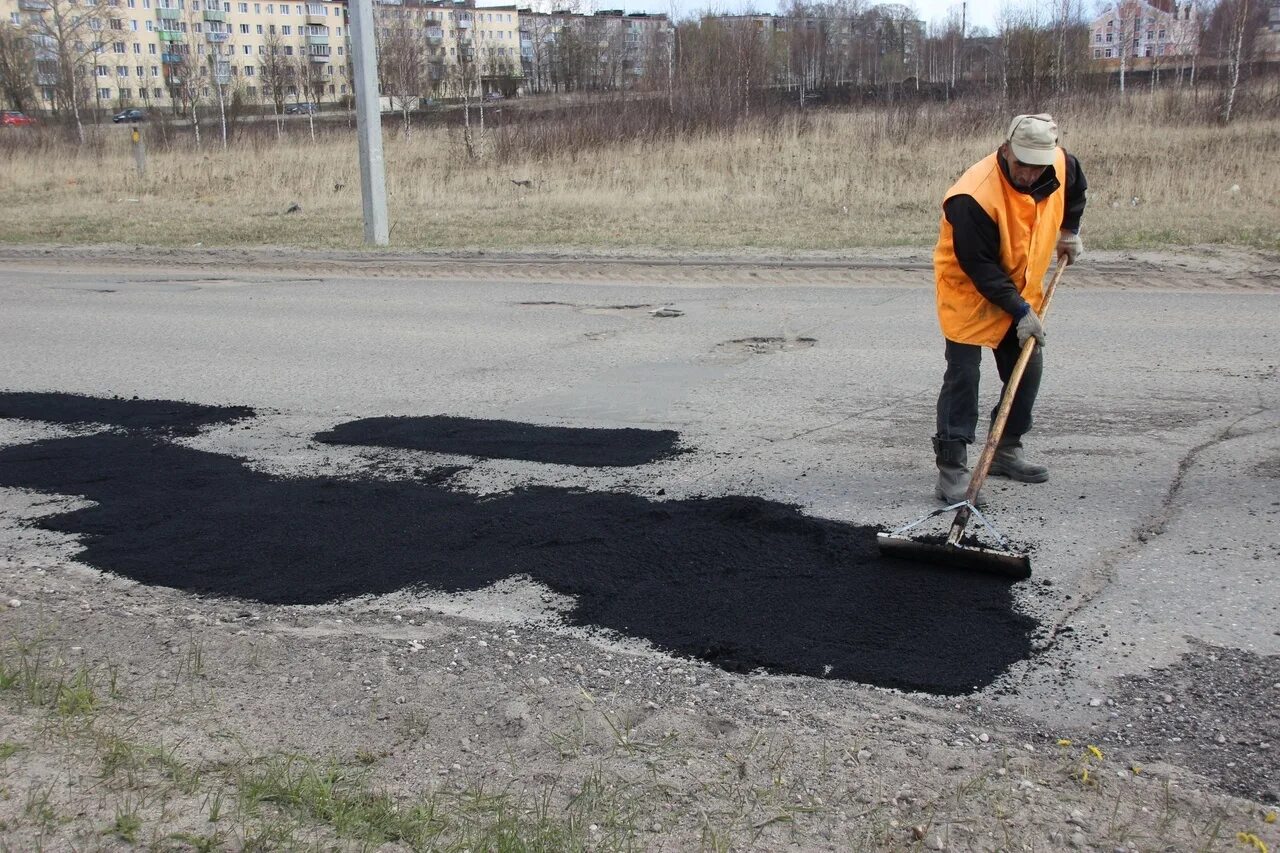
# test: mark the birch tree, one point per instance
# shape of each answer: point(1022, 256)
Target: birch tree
point(71, 34)
point(274, 72)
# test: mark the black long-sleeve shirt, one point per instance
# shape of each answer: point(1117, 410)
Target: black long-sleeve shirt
point(976, 237)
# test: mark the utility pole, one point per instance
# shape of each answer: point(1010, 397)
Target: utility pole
point(373, 173)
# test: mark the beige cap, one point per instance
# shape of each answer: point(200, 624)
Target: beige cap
point(1034, 139)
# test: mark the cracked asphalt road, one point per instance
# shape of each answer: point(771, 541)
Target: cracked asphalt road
point(1158, 416)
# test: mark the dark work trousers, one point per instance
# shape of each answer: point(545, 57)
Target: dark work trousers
point(958, 401)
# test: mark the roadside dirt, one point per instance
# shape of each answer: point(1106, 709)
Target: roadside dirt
point(1196, 268)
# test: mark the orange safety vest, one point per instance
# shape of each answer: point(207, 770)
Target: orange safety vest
point(1028, 235)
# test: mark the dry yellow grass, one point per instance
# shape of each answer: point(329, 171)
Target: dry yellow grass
point(850, 179)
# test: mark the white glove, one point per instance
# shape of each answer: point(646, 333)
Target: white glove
point(1069, 244)
point(1030, 327)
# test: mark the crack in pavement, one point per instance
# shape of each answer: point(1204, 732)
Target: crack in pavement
point(1096, 580)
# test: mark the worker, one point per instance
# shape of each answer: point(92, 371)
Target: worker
point(1002, 224)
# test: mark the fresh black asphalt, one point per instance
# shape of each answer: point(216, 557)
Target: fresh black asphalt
point(739, 581)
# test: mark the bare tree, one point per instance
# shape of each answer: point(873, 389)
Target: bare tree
point(70, 34)
point(17, 66)
point(1240, 21)
point(221, 44)
point(274, 72)
point(402, 57)
point(305, 80)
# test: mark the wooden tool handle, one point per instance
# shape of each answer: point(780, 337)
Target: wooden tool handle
point(1002, 414)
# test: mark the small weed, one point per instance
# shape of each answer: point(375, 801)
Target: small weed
point(39, 807)
point(76, 698)
point(7, 749)
point(127, 824)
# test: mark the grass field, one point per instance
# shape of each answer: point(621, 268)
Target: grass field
point(832, 180)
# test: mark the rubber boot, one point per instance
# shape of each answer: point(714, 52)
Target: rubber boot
point(953, 475)
point(1009, 462)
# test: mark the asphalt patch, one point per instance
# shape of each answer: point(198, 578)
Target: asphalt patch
point(741, 582)
point(1216, 711)
point(171, 416)
point(490, 439)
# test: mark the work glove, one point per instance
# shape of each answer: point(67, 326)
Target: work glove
point(1030, 327)
point(1069, 244)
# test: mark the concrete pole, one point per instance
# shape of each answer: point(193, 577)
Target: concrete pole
point(373, 175)
point(139, 152)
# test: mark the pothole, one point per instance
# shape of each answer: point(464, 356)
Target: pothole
point(761, 346)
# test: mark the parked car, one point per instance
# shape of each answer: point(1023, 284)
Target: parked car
point(13, 118)
point(301, 109)
point(129, 116)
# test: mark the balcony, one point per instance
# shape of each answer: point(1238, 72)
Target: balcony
point(319, 57)
point(171, 35)
point(33, 5)
point(435, 35)
point(215, 15)
point(45, 79)
point(168, 13)
point(317, 19)
point(312, 38)
point(218, 38)
point(171, 58)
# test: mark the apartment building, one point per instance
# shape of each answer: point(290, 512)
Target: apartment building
point(610, 49)
point(136, 52)
point(1146, 30)
point(459, 46)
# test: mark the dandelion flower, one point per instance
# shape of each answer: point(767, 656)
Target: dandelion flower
point(1251, 840)
point(1097, 753)
point(1270, 818)
point(1064, 742)
point(1084, 776)
point(1136, 769)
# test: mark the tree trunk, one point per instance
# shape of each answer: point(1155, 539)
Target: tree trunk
point(1237, 51)
point(222, 111)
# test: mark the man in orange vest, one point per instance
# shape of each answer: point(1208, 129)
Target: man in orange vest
point(1003, 223)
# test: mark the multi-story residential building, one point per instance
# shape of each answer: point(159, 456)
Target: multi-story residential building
point(1145, 29)
point(606, 50)
point(459, 46)
point(164, 52)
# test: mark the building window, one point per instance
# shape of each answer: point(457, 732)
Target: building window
point(126, 94)
point(122, 71)
point(1161, 35)
point(244, 28)
point(151, 49)
point(137, 48)
point(159, 92)
point(259, 29)
point(103, 71)
point(1097, 53)
point(1108, 53)
point(105, 94)
point(287, 30)
point(1108, 38)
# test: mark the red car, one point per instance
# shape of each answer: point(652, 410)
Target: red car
point(13, 118)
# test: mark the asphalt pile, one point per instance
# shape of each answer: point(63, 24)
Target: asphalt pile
point(738, 581)
point(491, 439)
point(171, 416)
